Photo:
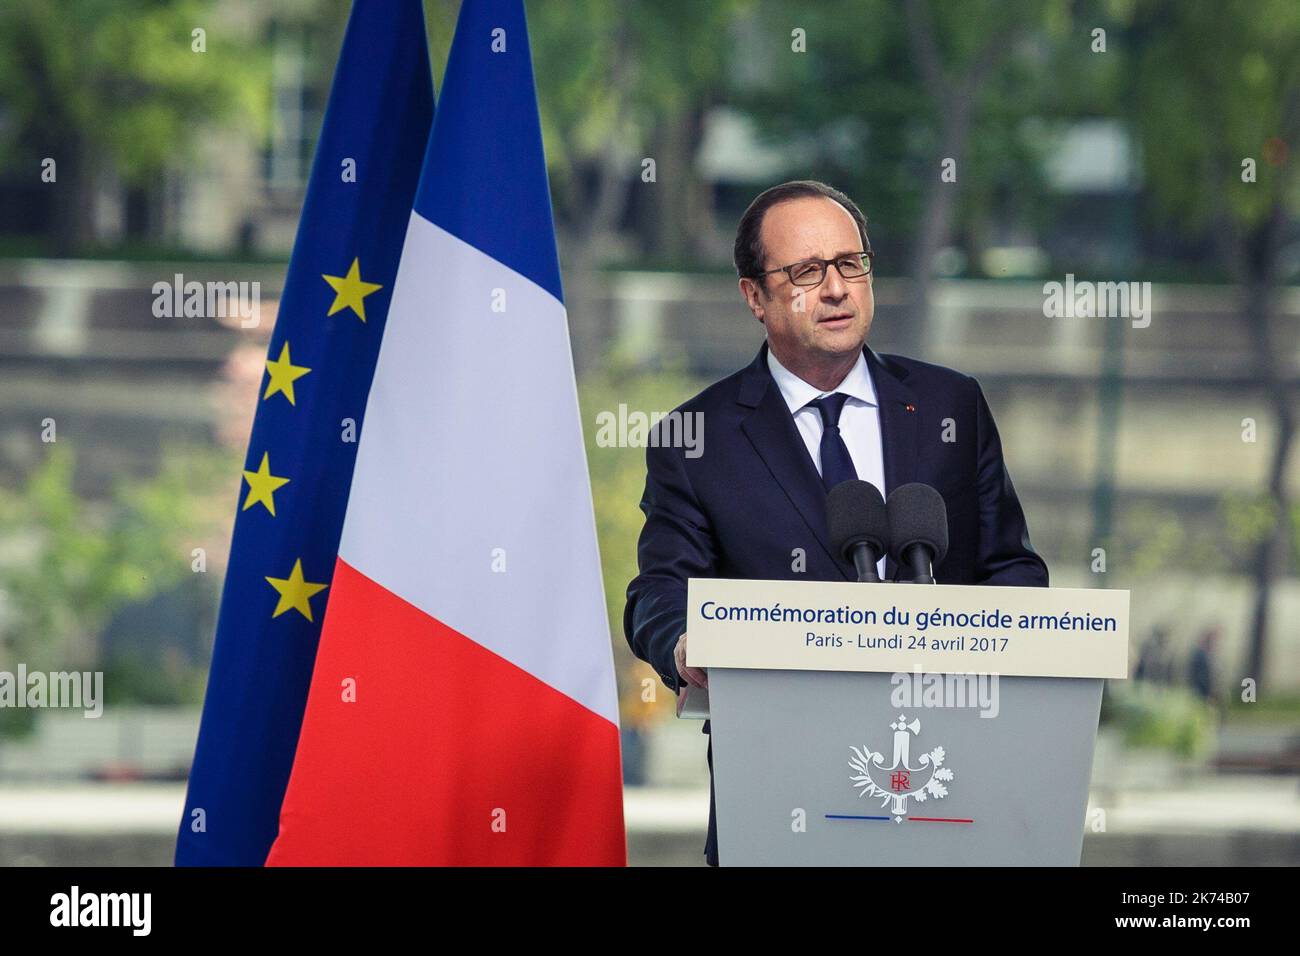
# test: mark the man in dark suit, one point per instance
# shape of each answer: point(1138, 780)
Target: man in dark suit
point(815, 407)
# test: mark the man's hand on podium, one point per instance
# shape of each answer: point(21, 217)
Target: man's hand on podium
point(695, 676)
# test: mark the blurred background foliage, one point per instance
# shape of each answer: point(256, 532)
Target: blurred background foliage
point(617, 481)
point(1160, 718)
point(68, 564)
point(100, 84)
point(174, 158)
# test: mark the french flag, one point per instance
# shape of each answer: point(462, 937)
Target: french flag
point(462, 708)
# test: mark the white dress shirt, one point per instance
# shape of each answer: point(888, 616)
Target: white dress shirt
point(859, 421)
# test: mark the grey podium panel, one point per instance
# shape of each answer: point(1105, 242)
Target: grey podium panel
point(1014, 786)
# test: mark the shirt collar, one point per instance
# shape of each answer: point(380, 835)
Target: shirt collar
point(798, 393)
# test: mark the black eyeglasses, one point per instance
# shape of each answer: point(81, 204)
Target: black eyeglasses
point(810, 272)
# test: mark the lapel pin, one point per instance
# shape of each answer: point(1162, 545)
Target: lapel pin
point(910, 408)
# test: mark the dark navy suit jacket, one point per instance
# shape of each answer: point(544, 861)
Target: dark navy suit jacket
point(742, 507)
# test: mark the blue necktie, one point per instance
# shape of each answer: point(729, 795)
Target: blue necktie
point(837, 466)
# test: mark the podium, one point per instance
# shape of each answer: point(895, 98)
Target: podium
point(900, 724)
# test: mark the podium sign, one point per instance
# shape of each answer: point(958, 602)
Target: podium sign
point(903, 725)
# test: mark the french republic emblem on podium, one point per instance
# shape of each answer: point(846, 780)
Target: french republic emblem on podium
point(897, 780)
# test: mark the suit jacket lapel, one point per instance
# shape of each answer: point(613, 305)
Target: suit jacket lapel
point(898, 427)
point(772, 431)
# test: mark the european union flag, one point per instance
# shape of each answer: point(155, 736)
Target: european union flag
point(303, 445)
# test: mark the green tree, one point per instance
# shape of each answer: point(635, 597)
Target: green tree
point(100, 85)
point(68, 563)
point(619, 83)
point(1215, 101)
point(886, 92)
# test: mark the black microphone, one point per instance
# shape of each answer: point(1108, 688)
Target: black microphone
point(918, 529)
point(859, 525)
